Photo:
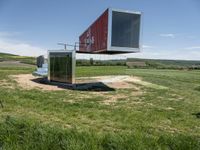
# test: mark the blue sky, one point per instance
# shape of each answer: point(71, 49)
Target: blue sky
point(171, 28)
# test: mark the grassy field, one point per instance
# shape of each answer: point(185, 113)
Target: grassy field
point(148, 63)
point(140, 118)
point(20, 59)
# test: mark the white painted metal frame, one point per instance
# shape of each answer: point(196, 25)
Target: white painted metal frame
point(121, 49)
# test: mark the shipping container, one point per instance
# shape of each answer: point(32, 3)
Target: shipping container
point(115, 31)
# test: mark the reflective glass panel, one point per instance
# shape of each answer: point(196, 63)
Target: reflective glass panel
point(61, 67)
point(125, 29)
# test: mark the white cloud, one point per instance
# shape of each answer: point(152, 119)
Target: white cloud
point(20, 48)
point(147, 46)
point(193, 48)
point(8, 45)
point(169, 35)
point(180, 54)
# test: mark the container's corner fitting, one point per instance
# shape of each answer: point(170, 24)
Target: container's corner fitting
point(115, 31)
point(61, 66)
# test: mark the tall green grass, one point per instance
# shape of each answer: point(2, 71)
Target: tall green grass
point(156, 119)
point(22, 134)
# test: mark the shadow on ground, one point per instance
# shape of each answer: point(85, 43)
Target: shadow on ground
point(92, 86)
point(197, 115)
point(197, 88)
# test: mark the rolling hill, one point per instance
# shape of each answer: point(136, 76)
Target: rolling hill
point(21, 59)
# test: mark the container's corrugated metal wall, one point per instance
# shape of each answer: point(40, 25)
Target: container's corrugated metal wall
point(115, 31)
point(94, 39)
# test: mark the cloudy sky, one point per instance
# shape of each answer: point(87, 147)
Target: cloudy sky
point(171, 28)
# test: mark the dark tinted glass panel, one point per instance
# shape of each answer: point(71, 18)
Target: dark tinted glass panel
point(61, 67)
point(125, 29)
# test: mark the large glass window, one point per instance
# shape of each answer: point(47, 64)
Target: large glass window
point(61, 67)
point(125, 29)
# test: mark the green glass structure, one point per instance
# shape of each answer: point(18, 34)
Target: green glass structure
point(62, 66)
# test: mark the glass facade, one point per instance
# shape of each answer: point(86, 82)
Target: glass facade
point(61, 67)
point(125, 29)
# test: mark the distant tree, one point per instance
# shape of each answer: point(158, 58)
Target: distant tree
point(91, 61)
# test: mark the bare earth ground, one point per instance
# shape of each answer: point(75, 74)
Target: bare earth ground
point(26, 81)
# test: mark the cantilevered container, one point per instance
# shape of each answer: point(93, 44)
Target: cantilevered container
point(115, 31)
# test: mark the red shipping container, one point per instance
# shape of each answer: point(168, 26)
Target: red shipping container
point(115, 31)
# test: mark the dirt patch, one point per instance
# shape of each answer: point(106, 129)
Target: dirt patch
point(26, 81)
point(113, 99)
point(121, 82)
point(120, 85)
point(169, 108)
point(137, 93)
point(6, 84)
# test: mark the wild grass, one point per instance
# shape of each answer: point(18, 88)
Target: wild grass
point(21, 59)
point(165, 118)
